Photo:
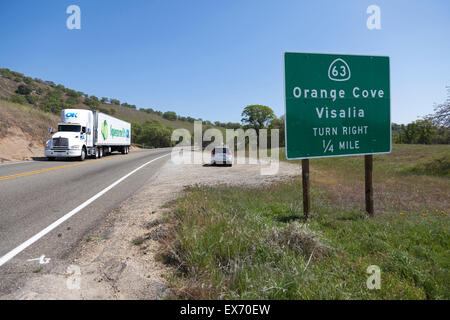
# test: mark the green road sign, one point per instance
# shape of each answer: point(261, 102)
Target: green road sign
point(336, 105)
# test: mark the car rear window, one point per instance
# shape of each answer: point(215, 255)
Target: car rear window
point(221, 150)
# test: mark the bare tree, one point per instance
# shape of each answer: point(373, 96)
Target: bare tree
point(441, 115)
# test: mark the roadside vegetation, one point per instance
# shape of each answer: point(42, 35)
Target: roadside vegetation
point(252, 242)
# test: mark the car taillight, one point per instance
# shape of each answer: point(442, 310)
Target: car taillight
point(228, 153)
point(213, 153)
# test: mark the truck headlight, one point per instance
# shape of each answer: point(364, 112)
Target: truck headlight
point(75, 147)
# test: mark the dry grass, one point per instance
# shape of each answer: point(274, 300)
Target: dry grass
point(30, 120)
point(300, 239)
point(397, 187)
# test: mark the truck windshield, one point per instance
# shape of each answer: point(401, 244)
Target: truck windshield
point(69, 128)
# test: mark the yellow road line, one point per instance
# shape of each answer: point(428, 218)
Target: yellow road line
point(58, 168)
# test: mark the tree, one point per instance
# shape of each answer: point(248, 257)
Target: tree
point(151, 133)
point(23, 90)
point(28, 80)
point(278, 123)
point(257, 116)
point(170, 115)
point(72, 93)
point(441, 115)
point(92, 102)
point(18, 99)
point(420, 132)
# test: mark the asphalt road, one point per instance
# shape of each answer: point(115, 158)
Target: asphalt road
point(35, 194)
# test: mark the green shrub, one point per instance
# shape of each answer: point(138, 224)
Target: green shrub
point(436, 167)
point(28, 80)
point(170, 115)
point(31, 99)
point(72, 93)
point(18, 99)
point(109, 111)
point(92, 102)
point(6, 73)
point(23, 89)
point(131, 106)
point(72, 100)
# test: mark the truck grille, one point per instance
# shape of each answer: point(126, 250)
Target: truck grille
point(60, 143)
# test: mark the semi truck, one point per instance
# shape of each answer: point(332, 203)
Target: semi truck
point(85, 133)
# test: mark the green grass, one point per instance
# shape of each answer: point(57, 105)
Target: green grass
point(90, 238)
point(252, 243)
point(435, 167)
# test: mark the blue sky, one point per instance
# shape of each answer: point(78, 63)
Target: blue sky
point(211, 58)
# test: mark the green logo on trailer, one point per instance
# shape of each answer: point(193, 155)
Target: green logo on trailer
point(336, 105)
point(105, 130)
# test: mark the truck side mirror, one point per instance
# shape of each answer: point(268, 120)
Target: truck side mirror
point(50, 130)
point(89, 131)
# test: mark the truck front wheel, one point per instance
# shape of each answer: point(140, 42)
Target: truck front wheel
point(83, 154)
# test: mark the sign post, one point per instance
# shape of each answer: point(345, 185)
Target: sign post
point(305, 184)
point(368, 166)
point(337, 105)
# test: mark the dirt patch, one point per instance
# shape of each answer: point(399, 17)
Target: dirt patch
point(23, 131)
point(17, 145)
point(120, 259)
point(133, 148)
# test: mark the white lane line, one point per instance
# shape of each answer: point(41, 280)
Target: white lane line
point(55, 224)
point(14, 162)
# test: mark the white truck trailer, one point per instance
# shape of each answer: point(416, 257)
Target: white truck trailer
point(85, 133)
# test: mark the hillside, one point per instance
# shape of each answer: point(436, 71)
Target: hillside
point(23, 131)
point(48, 96)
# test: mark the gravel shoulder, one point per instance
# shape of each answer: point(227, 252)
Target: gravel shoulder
point(118, 259)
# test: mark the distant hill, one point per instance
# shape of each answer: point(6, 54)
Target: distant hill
point(48, 96)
